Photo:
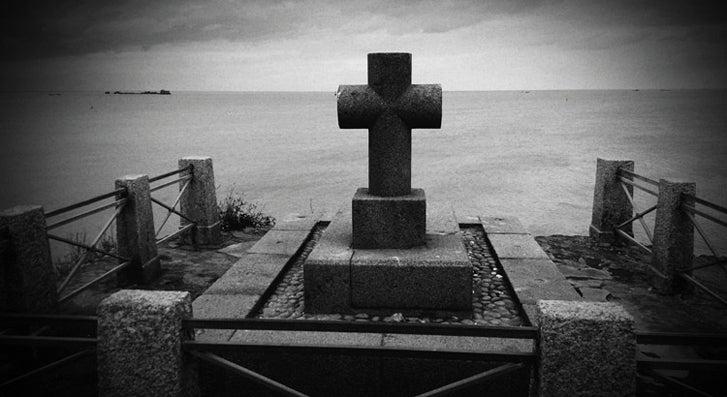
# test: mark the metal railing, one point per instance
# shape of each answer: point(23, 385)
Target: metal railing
point(117, 204)
point(662, 368)
point(513, 361)
point(692, 212)
point(43, 331)
point(628, 178)
point(185, 177)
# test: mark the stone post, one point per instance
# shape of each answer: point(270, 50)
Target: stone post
point(140, 345)
point(586, 349)
point(673, 248)
point(28, 280)
point(135, 231)
point(611, 207)
point(199, 202)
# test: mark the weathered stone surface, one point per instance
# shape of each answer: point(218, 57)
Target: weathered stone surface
point(237, 250)
point(221, 306)
point(135, 234)
point(441, 219)
point(673, 249)
point(283, 242)
point(583, 272)
point(502, 225)
point(516, 246)
point(327, 270)
point(462, 343)
point(594, 294)
point(27, 278)
point(435, 276)
point(611, 207)
point(307, 338)
point(232, 283)
point(303, 222)
point(586, 348)
point(388, 222)
point(140, 344)
point(389, 106)
point(199, 202)
point(265, 265)
point(537, 279)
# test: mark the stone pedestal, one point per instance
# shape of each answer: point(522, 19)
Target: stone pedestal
point(586, 349)
point(611, 207)
point(389, 222)
point(199, 203)
point(140, 345)
point(673, 248)
point(27, 277)
point(434, 277)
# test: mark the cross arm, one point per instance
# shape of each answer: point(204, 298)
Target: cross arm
point(420, 106)
point(358, 106)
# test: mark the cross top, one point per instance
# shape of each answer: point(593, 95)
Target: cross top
point(389, 106)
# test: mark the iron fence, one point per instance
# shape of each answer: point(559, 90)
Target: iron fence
point(185, 177)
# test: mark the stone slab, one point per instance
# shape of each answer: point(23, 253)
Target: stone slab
point(435, 276)
point(327, 272)
point(536, 279)
point(306, 338)
point(221, 306)
point(301, 222)
point(516, 246)
point(237, 250)
point(240, 284)
point(441, 219)
point(462, 343)
point(595, 294)
point(264, 265)
point(388, 222)
point(283, 242)
point(502, 225)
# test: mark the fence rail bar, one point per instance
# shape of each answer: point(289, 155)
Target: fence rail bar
point(88, 247)
point(703, 287)
point(364, 351)
point(680, 339)
point(633, 240)
point(472, 380)
point(701, 233)
point(48, 341)
point(704, 215)
point(636, 209)
point(87, 213)
point(710, 205)
point(85, 202)
point(170, 183)
point(638, 215)
point(678, 384)
point(93, 244)
point(171, 210)
point(364, 327)
point(170, 173)
point(175, 234)
point(8, 319)
point(643, 189)
point(637, 176)
point(92, 282)
point(681, 364)
point(47, 367)
point(251, 375)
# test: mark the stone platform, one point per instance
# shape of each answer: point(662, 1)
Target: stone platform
point(434, 277)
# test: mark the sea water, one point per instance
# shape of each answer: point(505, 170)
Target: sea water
point(526, 154)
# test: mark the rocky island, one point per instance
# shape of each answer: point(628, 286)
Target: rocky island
point(160, 92)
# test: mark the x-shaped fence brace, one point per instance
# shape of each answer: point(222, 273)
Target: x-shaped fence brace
point(172, 209)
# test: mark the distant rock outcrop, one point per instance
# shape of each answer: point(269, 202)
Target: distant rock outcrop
point(160, 92)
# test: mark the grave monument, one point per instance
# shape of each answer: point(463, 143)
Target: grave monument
point(381, 256)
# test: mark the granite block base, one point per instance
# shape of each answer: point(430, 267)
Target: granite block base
point(389, 222)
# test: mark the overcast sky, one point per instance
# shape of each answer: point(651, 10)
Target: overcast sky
point(316, 45)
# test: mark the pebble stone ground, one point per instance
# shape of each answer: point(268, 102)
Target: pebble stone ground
point(493, 301)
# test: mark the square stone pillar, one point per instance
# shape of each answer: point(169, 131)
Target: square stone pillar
point(586, 349)
point(673, 249)
point(135, 233)
point(611, 207)
point(199, 202)
point(140, 345)
point(27, 277)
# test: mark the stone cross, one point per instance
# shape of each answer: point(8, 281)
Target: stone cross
point(389, 106)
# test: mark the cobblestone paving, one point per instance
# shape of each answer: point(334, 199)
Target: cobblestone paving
point(493, 301)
